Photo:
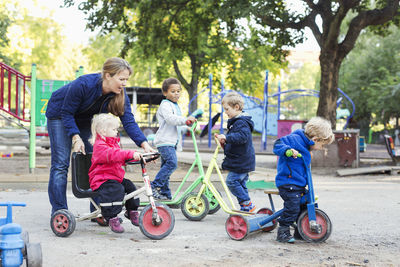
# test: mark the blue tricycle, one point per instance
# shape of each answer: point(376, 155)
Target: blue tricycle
point(313, 225)
point(14, 243)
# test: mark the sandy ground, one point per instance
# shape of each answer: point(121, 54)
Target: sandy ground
point(364, 210)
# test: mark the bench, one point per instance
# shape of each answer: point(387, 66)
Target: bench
point(394, 152)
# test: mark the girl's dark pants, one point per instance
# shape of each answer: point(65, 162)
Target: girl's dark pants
point(113, 192)
point(291, 195)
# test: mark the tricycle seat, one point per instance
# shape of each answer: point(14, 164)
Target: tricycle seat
point(80, 175)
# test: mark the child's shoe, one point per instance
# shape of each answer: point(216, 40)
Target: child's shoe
point(115, 225)
point(134, 217)
point(284, 235)
point(248, 207)
point(158, 195)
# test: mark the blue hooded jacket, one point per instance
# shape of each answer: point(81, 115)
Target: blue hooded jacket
point(239, 150)
point(78, 96)
point(291, 170)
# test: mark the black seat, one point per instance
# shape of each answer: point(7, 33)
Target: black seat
point(80, 175)
point(391, 149)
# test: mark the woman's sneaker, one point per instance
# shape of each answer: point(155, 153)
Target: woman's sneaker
point(249, 207)
point(115, 225)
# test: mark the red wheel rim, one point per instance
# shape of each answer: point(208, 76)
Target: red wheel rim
point(157, 229)
point(305, 227)
point(269, 212)
point(236, 226)
point(60, 223)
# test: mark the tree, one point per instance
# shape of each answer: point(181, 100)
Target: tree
point(175, 32)
point(286, 27)
point(4, 23)
point(370, 76)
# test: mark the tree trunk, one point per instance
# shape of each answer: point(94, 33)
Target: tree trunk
point(330, 64)
point(192, 93)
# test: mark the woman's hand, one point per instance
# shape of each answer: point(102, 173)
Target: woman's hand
point(147, 148)
point(77, 144)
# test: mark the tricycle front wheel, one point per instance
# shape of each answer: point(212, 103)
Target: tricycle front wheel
point(195, 209)
point(152, 229)
point(305, 231)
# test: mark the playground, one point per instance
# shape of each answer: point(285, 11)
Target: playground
point(359, 236)
point(24, 172)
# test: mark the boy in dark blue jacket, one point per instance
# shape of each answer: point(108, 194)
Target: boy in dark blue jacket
point(291, 178)
point(238, 149)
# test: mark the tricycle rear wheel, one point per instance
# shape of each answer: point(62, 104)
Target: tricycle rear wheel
point(274, 222)
point(33, 255)
point(62, 223)
point(237, 227)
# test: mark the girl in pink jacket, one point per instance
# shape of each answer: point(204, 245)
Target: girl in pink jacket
point(106, 174)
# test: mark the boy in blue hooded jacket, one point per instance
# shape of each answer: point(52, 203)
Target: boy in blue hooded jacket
point(291, 178)
point(238, 149)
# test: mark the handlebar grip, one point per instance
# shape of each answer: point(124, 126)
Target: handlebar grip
point(289, 153)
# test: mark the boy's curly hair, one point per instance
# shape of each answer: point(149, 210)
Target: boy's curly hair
point(321, 129)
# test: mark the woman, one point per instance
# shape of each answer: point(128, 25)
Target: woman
point(69, 114)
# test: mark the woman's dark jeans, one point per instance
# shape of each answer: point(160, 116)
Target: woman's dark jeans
point(60, 144)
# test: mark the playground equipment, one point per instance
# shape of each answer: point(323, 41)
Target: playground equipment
point(265, 122)
point(14, 244)
point(313, 225)
point(193, 204)
point(207, 202)
point(156, 220)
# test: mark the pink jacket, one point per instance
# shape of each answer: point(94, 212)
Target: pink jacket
point(107, 161)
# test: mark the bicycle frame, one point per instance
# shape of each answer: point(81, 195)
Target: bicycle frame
point(207, 183)
point(177, 197)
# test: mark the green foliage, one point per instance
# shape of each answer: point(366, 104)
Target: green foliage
point(186, 39)
point(4, 23)
point(39, 40)
point(371, 77)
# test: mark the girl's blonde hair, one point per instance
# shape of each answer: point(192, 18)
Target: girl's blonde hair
point(232, 99)
point(321, 129)
point(114, 66)
point(100, 123)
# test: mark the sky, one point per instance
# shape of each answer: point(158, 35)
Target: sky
point(74, 23)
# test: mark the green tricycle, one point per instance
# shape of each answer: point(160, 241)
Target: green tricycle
point(206, 202)
point(191, 206)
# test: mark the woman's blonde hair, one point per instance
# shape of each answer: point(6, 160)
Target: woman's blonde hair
point(319, 128)
point(232, 99)
point(114, 66)
point(102, 122)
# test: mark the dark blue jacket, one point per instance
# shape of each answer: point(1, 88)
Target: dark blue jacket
point(239, 150)
point(291, 170)
point(77, 97)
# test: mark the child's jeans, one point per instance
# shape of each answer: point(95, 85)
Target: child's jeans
point(169, 163)
point(236, 182)
point(291, 195)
